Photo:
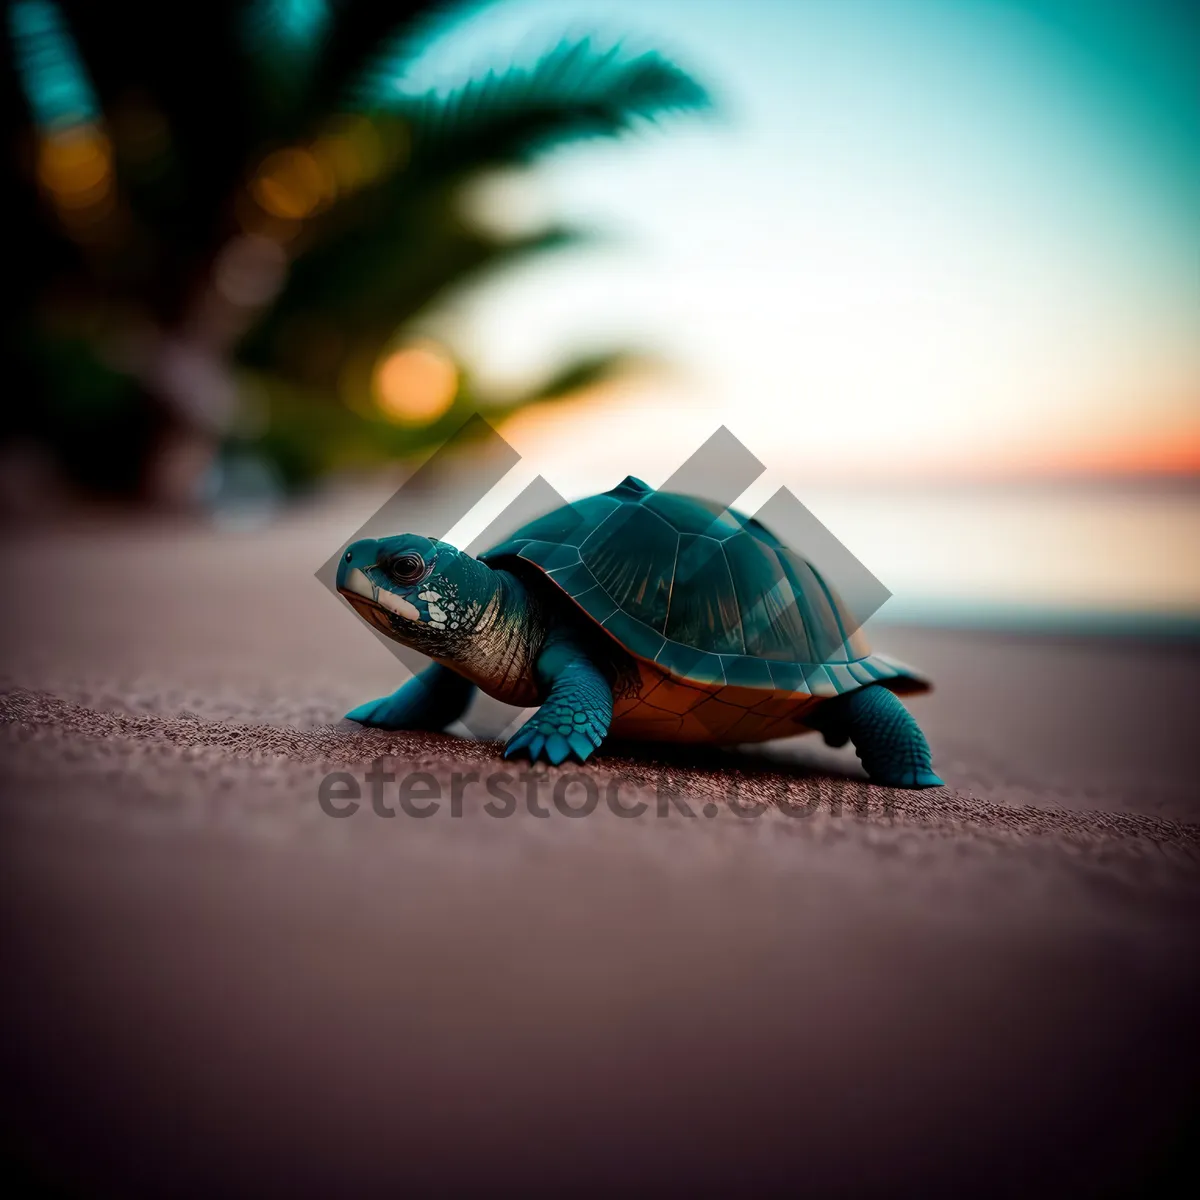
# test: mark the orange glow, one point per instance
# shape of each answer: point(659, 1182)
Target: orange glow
point(416, 384)
point(297, 182)
point(1112, 453)
point(75, 166)
point(354, 152)
point(292, 184)
point(668, 413)
point(1165, 452)
point(256, 221)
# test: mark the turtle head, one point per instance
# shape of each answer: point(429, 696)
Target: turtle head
point(419, 591)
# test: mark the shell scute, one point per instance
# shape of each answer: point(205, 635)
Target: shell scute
point(788, 676)
point(744, 671)
point(706, 595)
point(704, 610)
point(689, 515)
point(633, 560)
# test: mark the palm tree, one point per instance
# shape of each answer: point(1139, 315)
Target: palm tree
point(226, 218)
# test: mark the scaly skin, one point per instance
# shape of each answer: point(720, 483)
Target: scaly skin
point(889, 743)
point(431, 700)
point(575, 714)
point(500, 655)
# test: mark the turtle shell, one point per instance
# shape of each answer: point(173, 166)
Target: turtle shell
point(702, 593)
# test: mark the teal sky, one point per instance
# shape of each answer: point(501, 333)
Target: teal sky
point(961, 230)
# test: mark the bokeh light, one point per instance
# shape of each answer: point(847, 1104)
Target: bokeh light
point(505, 202)
point(75, 165)
point(292, 184)
point(352, 150)
point(250, 270)
point(416, 383)
point(52, 74)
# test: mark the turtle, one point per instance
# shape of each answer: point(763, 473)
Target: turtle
point(641, 614)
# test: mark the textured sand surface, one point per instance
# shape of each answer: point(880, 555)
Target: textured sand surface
point(213, 987)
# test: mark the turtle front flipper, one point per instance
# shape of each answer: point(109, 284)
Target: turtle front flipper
point(429, 701)
point(576, 712)
point(889, 743)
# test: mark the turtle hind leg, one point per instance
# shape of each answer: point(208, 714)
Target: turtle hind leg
point(429, 701)
point(576, 713)
point(889, 743)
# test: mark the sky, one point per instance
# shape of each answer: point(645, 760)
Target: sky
point(917, 236)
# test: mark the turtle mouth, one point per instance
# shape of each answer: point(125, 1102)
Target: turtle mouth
point(373, 602)
point(374, 614)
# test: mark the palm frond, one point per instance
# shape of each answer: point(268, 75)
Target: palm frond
point(282, 40)
point(587, 371)
point(188, 107)
point(362, 289)
point(575, 91)
point(374, 40)
point(307, 436)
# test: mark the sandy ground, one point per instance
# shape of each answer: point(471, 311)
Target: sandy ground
point(211, 986)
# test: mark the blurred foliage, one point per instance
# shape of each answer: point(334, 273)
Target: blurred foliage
point(225, 214)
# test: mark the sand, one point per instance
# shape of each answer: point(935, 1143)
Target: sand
point(213, 986)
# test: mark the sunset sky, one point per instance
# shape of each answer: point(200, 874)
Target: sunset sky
point(951, 236)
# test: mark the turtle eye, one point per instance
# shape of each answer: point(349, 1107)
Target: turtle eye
point(405, 568)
